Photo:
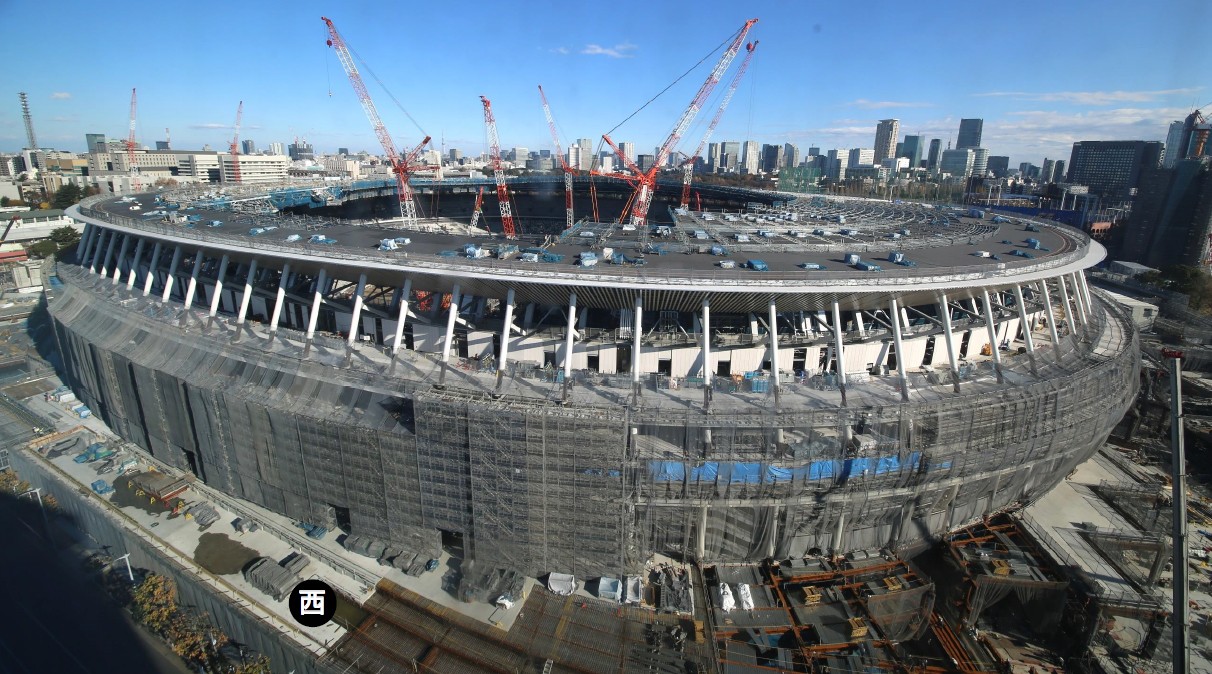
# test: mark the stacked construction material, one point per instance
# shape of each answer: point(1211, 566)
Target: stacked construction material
point(275, 579)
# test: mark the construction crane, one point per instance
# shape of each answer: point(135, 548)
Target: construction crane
point(647, 180)
point(29, 121)
point(568, 171)
point(688, 166)
point(130, 138)
point(475, 215)
point(1201, 129)
point(235, 146)
point(498, 171)
point(401, 167)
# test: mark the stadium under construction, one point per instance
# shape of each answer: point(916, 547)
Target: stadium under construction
point(762, 378)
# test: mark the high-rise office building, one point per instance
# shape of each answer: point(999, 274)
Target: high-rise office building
point(277, 149)
point(572, 156)
point(95, 142)
point(730, 155)
point(645, 161)
point(999, 166)
point(628, 149)
point(911, 149)
point(1047, 173)
point(932, 158)
point(772, 158)
point(520, 155)
point(885, 139)
point(814, 151)
point(1028, 170)
point(162, 145)
point(1174, 149)
point(957, 162)
point(751, 159)
point(713, 157)
point(301, 150)
point(586, 163)
point(1189, 141)
point(1058, 171)
point(861, 156)
point(249, 147)
point(1112, 168)
point(980, 161)
point(1172, 216)
point(455, 154)
point(969, 133)
point(835, 165)
point(791, 156)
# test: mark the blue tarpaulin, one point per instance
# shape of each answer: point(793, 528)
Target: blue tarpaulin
point(707, 472)
point(754, 473)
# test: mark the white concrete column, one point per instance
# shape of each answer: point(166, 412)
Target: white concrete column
point(97, 250)
point(355, 322)
point(248, 291)
point(451, 317)
point(944, 312)
point(109, 253)
point(172, 274)
point(1050, 318)
point(1023, 320)
point(506, 334)
point(102, 258)
point(637, 333)
point(150, 278)
point(1081, 300)
point(217, 294)
point(991, 330)
point(705, 349)
point(87, 238)
point(900, 354)
point(568, 337)
point(321, 280)
point(1071, 316)
point(858, 322)
point(192, 288)
point(133, 270)
point(280, 299)
point(121, 258)
point(1085, 286)
point(839, 353)
point(403, 316)
point(773, 329)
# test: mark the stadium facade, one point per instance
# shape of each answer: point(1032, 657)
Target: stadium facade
point(785, 378)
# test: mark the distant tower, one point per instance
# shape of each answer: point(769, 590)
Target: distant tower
point(1174, 148)
point(969, 133)
point(29, 122)
point(885, 139)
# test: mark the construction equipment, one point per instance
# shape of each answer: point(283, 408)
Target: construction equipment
point(688, 166)
point(498, 171)
point(130, 145)
point(475, 215)
point(568, 171)
point(29, 121)
point(46, 440)
point(647, 179)
point(401, 167)
point(235, 146)
point(1201, 129)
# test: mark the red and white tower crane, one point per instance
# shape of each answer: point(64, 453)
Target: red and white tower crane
point(235, 145)
point(475, 214)
point(688, 167)
point(568, 171)
point(647, 180)
point(498, 171)
point(401, 167)
point(130, 138)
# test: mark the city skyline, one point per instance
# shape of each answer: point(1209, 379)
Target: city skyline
point(293, 85)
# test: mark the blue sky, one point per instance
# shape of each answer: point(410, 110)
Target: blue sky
point(1041, 74)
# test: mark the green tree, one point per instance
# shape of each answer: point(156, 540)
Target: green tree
point(4, 202)
point(257, 665)
point(65, 236)
point(155, 602)
point(66, 196)
point(44, 248)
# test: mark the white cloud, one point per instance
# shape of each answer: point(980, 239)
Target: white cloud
point(1093, 97)
point(873, 105)
point(619, 51)
point(61, 95)
point(559, 50)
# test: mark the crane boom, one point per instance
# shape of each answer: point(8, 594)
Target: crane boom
point(475, 214)
point(647, 181)
point(399, 167)
point(235, 145)
point(569, 218)
point(688, 166)
point(130, 138)
point(498, 171)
